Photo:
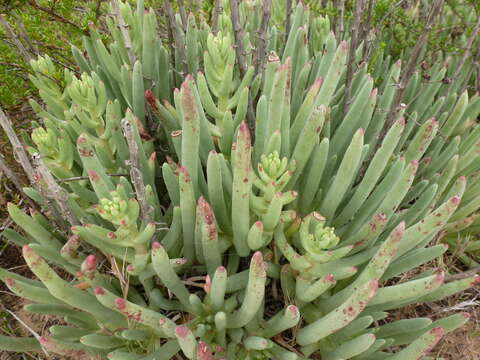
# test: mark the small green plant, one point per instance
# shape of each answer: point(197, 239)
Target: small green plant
point(278, 225)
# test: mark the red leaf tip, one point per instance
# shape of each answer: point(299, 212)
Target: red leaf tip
point(90, 262)
point(182, 331)
point(292, 309)
point(99, 291)
point(455, 200)
point(438, 332)
point(120, 303)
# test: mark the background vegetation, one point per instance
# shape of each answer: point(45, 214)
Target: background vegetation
point(52, 26)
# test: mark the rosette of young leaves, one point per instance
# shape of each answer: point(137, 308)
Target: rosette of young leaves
point(335, 212)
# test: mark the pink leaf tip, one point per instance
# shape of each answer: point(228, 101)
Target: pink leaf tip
point(182, 331)
point(455, 200)
point(120, 303)
point(90, 262)
point(99, 291)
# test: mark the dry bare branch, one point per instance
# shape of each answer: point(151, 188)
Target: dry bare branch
point(15, 39)
point(463, 275)
point(239, 35)
point(55, 191)
point(124, 30)
point(22, 32)
point(11, 175)
point(183, 14)
point(260, 53)
point(54, 15)
point(466, 53)
point(351, 54)
point(340, 26)
point(217, 11)
point(177, 38)
point(19, 152)
point(435, 10)
point(136, 172)
point(288, 19)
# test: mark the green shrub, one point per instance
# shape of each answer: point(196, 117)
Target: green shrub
point(277, 227)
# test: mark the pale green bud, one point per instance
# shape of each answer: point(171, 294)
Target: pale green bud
point(114, 210)
point(273, 166)
point(322, 239)
point(46, 142)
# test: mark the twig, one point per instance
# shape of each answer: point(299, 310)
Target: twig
point(18, 151)
point(340, 28)
point(55, 191)
point(23, 33)
point(124, 30)
point(15, 39)
point(162, 13)
point(194, 5)
point(217, 11)
point(119, 274)
point(50, 46)
point(240, 52)
point(11, 175)
point(183, 14)
point(97, 8)
point(136, 173)
point(54, 15)
point(412, 63)
point(23, 74)
point(454, 10)
point(177, 38)
point(366, 29)
point(351, 54)
point(30, 330)
point(64, 65)
point(467, 80)
point(466, 53)
point(260, 54)
point(390, 12)
point(476, 64)
point(288, 20)
point(78, 178)
point(378, 29)
point(239, 36)
point(463, 275)
point(22, 158)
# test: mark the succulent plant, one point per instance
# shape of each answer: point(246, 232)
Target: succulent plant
point(280, 235)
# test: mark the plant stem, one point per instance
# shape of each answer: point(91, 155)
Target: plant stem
point(136, 173)
point(435, 10)
point(260, 54)
point(351, 55)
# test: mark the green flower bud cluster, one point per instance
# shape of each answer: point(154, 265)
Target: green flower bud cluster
point(119, 209)
point(219, 62)
point(44, 65)
point(323, 238)
point(220, 252)
point(320, 27)
point(46, 141)
point(89, 98)
point(271, 166)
